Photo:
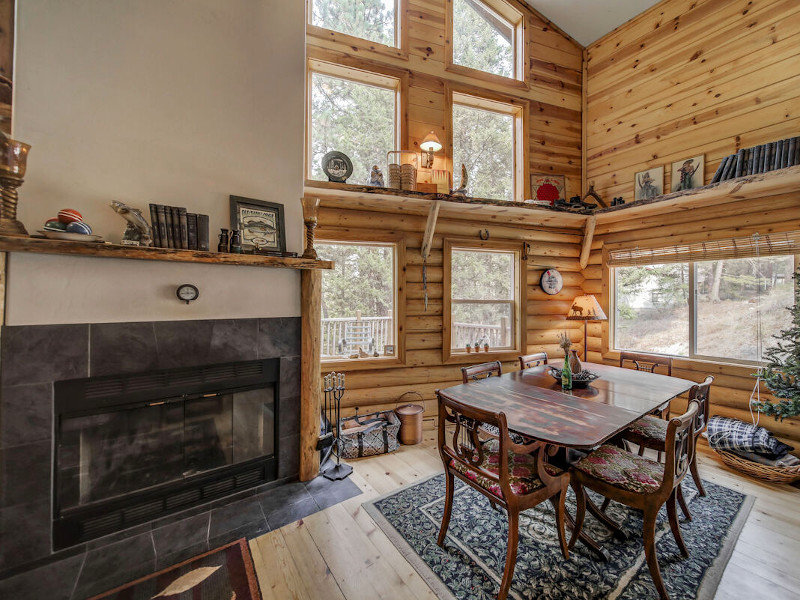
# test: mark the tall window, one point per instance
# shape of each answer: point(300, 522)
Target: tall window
point(352, 112)
point(485, 135)
point(359, 300)
point(704, 309)
point(484, 303)
point(373, 20)
point(487, 36)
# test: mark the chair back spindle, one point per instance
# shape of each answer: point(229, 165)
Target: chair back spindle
point(680, 446)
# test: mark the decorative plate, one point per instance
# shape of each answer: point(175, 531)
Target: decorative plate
point(581, 380)
point(551, 281)
point(337, 166)
point(70, 237)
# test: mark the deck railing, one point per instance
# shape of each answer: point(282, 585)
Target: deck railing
point(335, 330)
point(469, 333)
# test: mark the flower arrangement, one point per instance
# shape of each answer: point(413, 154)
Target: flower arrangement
point(564, 342)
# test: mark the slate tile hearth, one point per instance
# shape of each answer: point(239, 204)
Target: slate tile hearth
point(33, 357)
point(122, 557)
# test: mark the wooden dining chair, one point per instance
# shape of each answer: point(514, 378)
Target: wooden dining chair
point(515, 477)
point(481, 371)
point(650, 432)
point(649, 363)
point(532, 360)
point(640, 483)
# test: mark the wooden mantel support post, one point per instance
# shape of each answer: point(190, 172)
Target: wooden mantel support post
point(310, 378)
point(588, 235)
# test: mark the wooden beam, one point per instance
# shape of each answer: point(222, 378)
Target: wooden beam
point(430, 228)
point(310, 378)
point(587, 240)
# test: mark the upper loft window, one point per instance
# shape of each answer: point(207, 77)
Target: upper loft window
point(487, 36)
point(486, 136)
point(354, 112)
point(373, 20)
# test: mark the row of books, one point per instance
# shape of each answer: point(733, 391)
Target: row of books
point(759, 159)
point(173, 227)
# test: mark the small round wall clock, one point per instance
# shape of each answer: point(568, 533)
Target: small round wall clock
point(551, 282)
point(187, 292)
point(337, 166)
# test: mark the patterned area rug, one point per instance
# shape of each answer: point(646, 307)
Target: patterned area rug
point(226, 573)
point(471, 565)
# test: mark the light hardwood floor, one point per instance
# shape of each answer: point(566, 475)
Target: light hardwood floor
point(339, 553)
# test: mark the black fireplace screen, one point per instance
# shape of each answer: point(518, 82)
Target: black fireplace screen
point(102, 456)
point(135, 447)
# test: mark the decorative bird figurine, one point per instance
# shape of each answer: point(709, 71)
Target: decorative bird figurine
point(462, 189)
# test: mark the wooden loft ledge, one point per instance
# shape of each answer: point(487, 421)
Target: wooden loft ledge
point(781, 181)
point(45, 246)
point(364, 197)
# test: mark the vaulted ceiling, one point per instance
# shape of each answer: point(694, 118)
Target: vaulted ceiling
point(589, 20)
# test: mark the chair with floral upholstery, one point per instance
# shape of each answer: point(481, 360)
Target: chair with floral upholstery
point(532, 360)
point(640, 483)
point(515, 477)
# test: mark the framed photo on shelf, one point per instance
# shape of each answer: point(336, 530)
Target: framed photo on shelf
point(688, 174)
point(261, 224)
point(648, 184)
point(548, 188)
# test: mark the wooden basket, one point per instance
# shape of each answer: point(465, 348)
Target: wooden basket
point(759, 471)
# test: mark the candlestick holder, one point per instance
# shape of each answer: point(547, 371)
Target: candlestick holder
point(310, 207)
point(13, 160)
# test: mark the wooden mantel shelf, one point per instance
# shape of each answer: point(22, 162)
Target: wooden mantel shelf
point(46, 246)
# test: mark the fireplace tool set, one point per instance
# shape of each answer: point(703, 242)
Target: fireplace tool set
point(330, 442)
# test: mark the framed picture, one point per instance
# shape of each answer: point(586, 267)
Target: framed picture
point(688, 174)
point(261, 224)
point(649, 184)
point(548, 188)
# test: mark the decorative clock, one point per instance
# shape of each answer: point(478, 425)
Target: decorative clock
point(187, 292)
point(551, 281)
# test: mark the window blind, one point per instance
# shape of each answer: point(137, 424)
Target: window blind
point(743, 247)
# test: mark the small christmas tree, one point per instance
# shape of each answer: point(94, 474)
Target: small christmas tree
point(782, 373)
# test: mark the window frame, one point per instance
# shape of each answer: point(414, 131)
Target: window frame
point(505, 105)
point(381, 78)
point(611, 344)
point(514, 17)
point(399, 50)
point(399, 299)
point(452, 355)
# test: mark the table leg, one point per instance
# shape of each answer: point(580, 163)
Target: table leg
point(605, 519)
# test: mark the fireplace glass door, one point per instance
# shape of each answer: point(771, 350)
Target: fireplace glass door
point(105, 455)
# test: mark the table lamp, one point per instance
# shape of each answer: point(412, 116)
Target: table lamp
point(430, 145)
point(586, 308)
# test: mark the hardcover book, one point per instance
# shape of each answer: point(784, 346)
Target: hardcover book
point(183, 228)
point(170, 229)
point(154, 226)
point(191, 228)
point(202, 232)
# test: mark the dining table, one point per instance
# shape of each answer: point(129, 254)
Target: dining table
point(580, 419)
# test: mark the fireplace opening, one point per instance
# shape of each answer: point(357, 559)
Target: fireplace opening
point(133, 448)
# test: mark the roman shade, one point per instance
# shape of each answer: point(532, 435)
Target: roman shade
point(743, 247)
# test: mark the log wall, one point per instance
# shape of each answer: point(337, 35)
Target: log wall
point(424, 371)
point(691, 77)
point(551, 91)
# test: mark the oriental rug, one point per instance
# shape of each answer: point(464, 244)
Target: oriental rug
point(471, 564)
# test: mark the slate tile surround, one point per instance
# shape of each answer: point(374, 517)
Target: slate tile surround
point(33, 357)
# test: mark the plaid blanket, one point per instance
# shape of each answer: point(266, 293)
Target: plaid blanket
point(726, 433)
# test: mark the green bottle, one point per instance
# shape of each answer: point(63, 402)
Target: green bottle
point(566, 374)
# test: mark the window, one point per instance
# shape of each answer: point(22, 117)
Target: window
point(482, 303)
point(359, 300)
point(353, 112)
point(485, 141)
point(487, 36)
point(372, 20)
point(654, 311)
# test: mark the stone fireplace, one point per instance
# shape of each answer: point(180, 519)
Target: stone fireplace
point(106, 427)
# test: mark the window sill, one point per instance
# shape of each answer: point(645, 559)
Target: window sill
point(360, 364)
point(466, 358)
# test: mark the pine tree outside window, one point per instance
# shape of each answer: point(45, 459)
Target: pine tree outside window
point(373, 20)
